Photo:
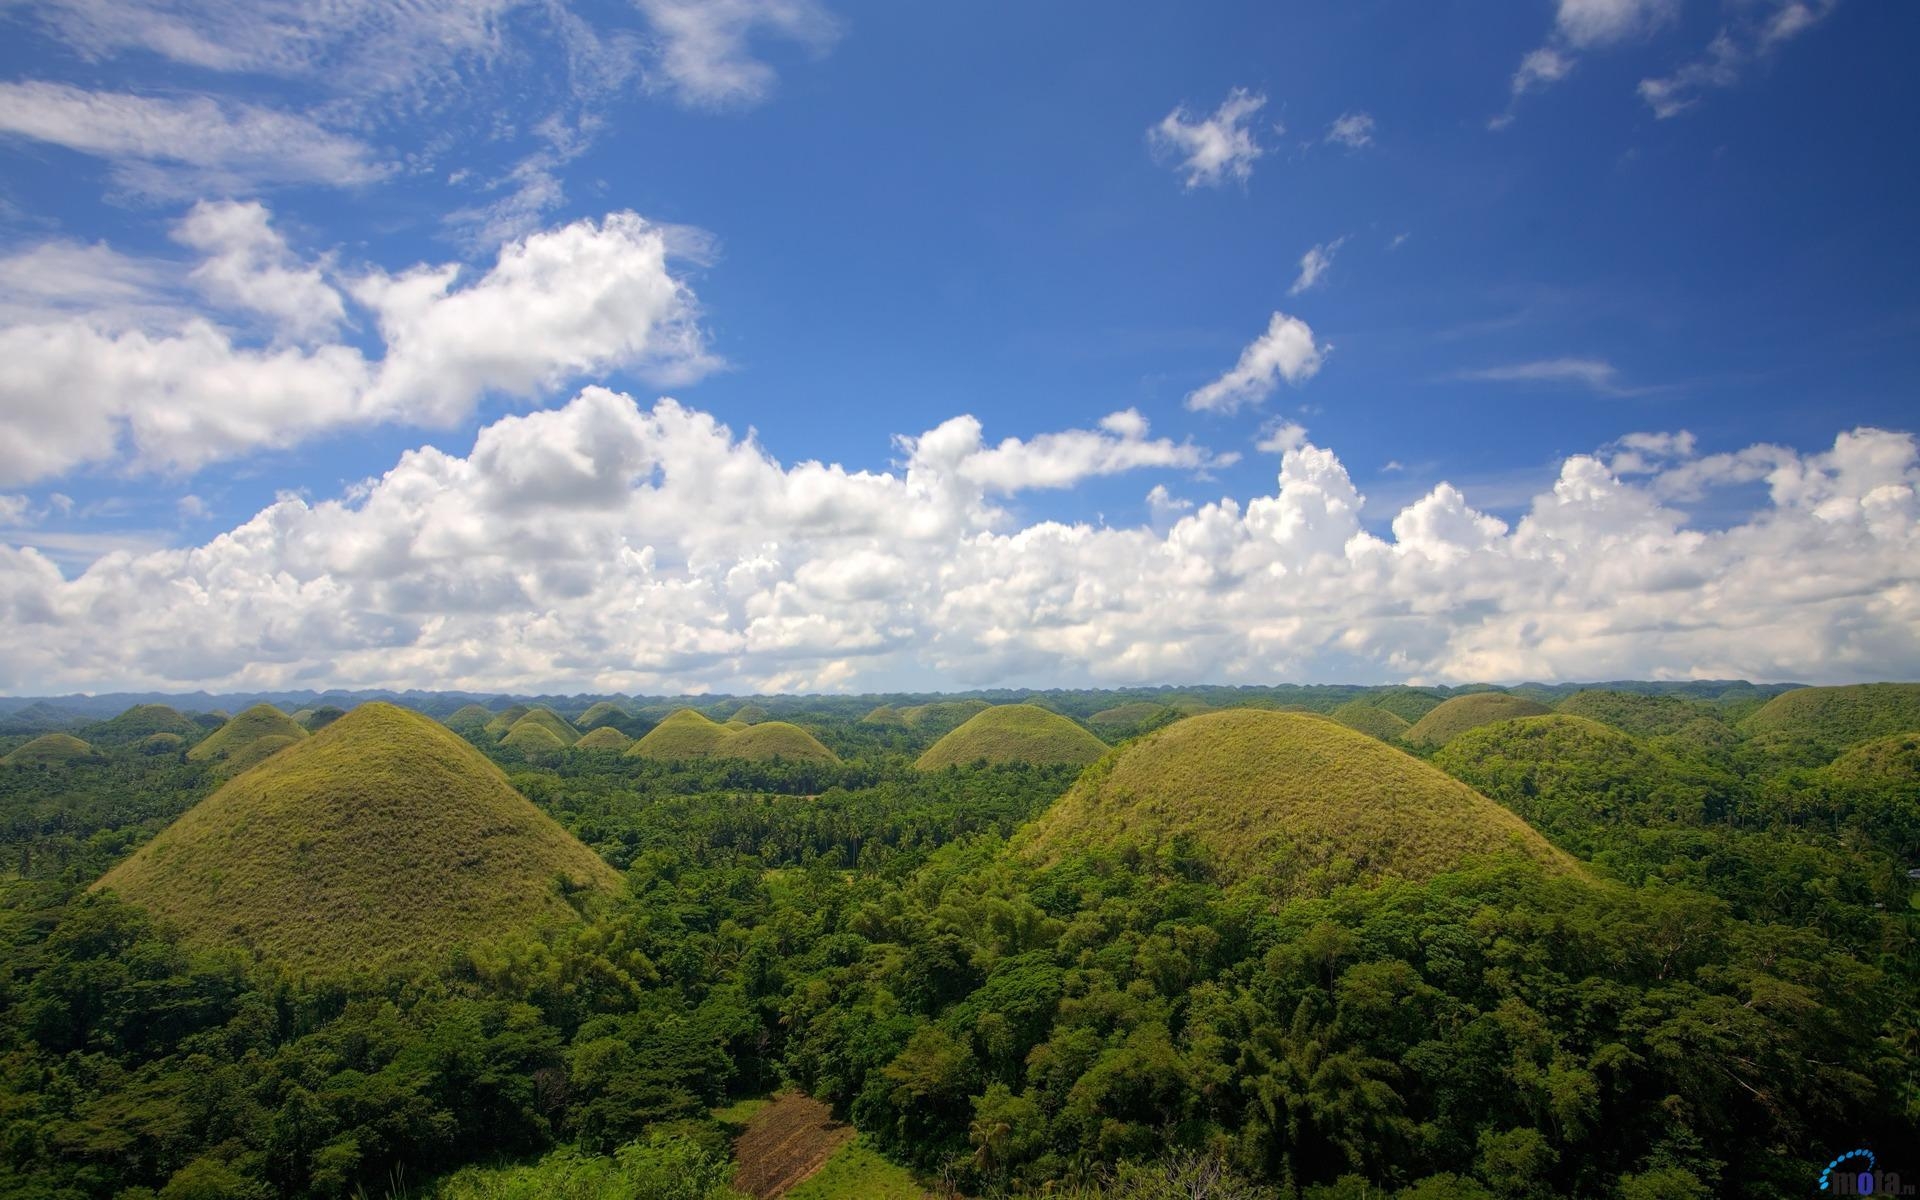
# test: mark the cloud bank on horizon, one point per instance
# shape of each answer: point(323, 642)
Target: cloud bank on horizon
point(472, 496)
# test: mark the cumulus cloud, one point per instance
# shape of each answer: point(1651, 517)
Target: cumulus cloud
point(1757, 31)
point(1211, 150)
point(176, 146)
point(703, 53)
point(1286, 351)
point(1353, 130)
point(1315, 264)
point(173, 388)
point(608, 546)
point(1579, 26)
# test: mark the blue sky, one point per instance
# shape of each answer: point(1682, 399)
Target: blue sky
point(1545, 228)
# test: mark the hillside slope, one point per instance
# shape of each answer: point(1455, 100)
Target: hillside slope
point(1014, 733)
point(1449, 720)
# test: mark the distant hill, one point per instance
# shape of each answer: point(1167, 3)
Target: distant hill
point(1261, 791)
point(604, 739)
point(1372, 721)
point(50, 750)
point(247, 738)
point(530, 736)
point(688, 734)
point(1130, 716)
point(506, 718)
point(605, 714)
point(1014, 733)
point(384, 839)
point(1839, 716)
point(140, 722)
point(1449, 720)
point(551, 721)
point(469, 719)
point(1640, 714)
point(1893, 759)
point(319, 718)
point(1409, 704)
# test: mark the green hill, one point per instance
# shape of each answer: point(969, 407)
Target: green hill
point(1839, 716)
point(1449, 720)
point(886, 714)
point(247, 738)
point(689, 734)
point(552, 721)
point(140, 722)
point(602, 714)
point(941, 716)
point(1261, 791)
point(161, 743)
point(1893, 759)
point(322, 717)
point(505, 719)
point(1637, 713)
point(1374, 722)
point(469, 718)
point(1409, 704)
point(50, 750)
point(383, 839)
point(1014, 733)
point(604, 739)
point(530, 736)
point(750, 714)
point(1131, 715)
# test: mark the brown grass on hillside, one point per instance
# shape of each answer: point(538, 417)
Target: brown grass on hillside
point(784, 1143)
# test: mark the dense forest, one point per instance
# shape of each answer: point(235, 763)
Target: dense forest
point(1706, 985)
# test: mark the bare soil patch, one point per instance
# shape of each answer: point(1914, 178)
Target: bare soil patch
point(785, 1142)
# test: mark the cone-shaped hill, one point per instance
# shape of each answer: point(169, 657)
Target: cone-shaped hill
point(1893, 759)
point(1261, 790)
point(247, 738)
point(1374, 722)
point(689, 734)
point(322, 717)
point(1839, 716)
point(1131, 715)
point(529, 736)
point(469, 718)
point(383, 839)
point(1009, 733)
point(603, 739)
point(1409, 704)
point(140, 722)
point(50, 750)
point(603, 714)
point(506, 718)
point(549, 720)
point(1447, 721)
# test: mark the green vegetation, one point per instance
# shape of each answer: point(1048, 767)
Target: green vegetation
point(533, 737)
point(1837, 717)
point(552, 722)
point(247, 739)
point(161, 743)
point(688, 734)
point(1014, 733)
point(664, 1167)
point(1449, 720)
point(749, 714)
point(49, 750)
point(469, 719)
point(604, 739)
point(855, 1170)
point(382, 839)
point(1294, 797)
point(941, 716)
point(1372, 721)
point(142, 721)
point(505, 719)
point(321, 717)
point(1409, 704)
point(1638, 713)
point(1893, 759)
point(603, 714)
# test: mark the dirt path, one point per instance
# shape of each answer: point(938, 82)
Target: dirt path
point(785, 1142)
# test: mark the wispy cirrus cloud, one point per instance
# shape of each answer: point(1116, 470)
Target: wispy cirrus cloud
point(1756, 32)
point(1594, 374)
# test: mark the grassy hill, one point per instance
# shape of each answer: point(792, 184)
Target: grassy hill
point(749, 714)
point(530, 736)
point(247, 738)
point(469, 718)
point(1128, 716)
point(1261, 792)
point(161, 743)
point(50, 750)
point(886, 714)
point(1449, 720)
point(140, 722)
point(1014, 733)
point(689, 734)
point(1839, 716)
point(1638, 713)
point(321, 717)
point(383, 839)
point(505, 719)
point(551, 721)
point(1374, 722)
point(604, 739)
point(1409, 704)
point(1893, 759)
point(603, 714)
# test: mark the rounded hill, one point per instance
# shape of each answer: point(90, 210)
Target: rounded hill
point(1009, 733)
point(50, 750)
point(1638, 714)
point(1839, 716)
point(1450, 719)
point(1409, 704)
point(321, 717)
point(1893, 759)
point(603, 714)
point(529, 736)
point(247, 738)
point(500, 722)
point(140, 722)
point(1130, 715)
point(1372, 721)
point(383, 839)
point(688, 734)
point(604, 739)
point(1261, 791)
point(469, 718)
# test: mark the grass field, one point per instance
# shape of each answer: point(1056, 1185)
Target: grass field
point(1447, 721)
point(1014, 733)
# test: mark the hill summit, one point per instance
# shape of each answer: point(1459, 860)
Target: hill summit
point(690, 734)
point(1261, 791)
point(50, 749)
point(1014, 733)
point(1449, 720)
point(1839, 716)
point(247, 738)
point(383, 839)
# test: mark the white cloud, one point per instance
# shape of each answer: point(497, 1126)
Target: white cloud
point(1353, 130)
point(1211, 150)
point(96, 385)
point(1595, 373)
point(1756, 32)
point(703, 46)
point(1281, 437)
point(607, 546)
point(1286, 351)
point(1315, 264)
point(1591, 24)
point(175, 146)
point(1057, 460)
